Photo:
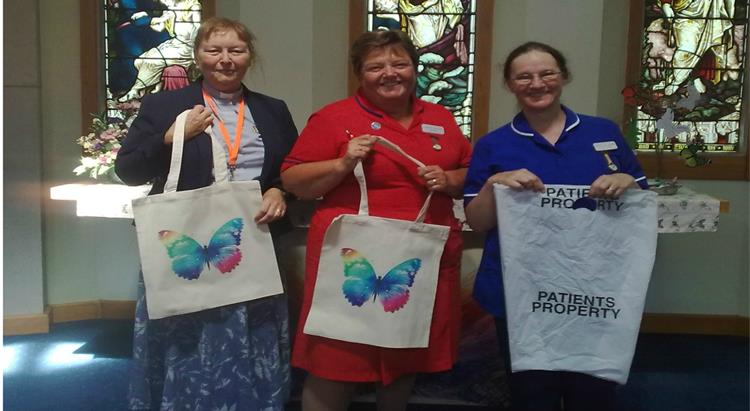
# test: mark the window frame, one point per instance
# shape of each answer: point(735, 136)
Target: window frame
point(92, 66)
point(724, 166)
point(482, 62)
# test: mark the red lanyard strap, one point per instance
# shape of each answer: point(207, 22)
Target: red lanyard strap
point(232, 147)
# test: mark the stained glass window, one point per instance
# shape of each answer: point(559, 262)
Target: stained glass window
point(444, 33)
point(148, 47)
point(692, 70)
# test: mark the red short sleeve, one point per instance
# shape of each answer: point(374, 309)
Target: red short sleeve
point(317, 142)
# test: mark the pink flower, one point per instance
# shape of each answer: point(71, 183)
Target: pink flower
point(108, 134)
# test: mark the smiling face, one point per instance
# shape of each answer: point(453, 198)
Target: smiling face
point(388, 77)
point(223, 58)
point(545, 88)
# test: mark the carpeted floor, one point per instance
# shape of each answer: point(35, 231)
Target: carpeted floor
point(84, 366)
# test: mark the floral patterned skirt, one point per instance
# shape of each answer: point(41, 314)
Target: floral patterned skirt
point(234, 357)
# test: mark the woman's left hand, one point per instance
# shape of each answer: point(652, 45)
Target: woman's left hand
point(611, 185)
point(272, 208)
point(434, 177)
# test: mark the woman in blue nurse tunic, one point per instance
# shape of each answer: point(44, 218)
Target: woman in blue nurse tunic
point(546, 143)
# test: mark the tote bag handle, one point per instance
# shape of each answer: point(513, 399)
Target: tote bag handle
point(221, 174)
point(359, 173)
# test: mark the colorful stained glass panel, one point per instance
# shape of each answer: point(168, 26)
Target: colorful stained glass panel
point(148, 47)
point(692, 74)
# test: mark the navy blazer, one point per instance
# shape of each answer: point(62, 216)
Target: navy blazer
point(144, 157)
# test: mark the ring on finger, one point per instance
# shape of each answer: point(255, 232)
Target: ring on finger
point(433, 181)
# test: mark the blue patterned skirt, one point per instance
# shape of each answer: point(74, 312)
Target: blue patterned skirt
point(229, 358)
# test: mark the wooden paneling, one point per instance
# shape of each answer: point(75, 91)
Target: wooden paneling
point(722, 167)
point(117, 309)
point(695, 324)
point(482, 69)
point(93, 310)
point(85, 310)
point(90, 61)
point(26, 324)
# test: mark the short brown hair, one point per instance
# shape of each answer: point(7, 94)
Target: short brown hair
point(217, 24)
point(377, 39)
point(536, 46)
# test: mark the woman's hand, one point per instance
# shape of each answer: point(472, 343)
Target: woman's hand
point(358, 149)
point(519, 180)
point(312, 180)
point(448, 182)
point(198, 119)
point(434, 177)
point(611, 185)
point(480, 212)
point(272, 208)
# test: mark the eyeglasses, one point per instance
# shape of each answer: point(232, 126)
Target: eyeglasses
point(524, 79)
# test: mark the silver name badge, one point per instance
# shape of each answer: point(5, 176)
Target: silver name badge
point(605, 146)
point(433, 129)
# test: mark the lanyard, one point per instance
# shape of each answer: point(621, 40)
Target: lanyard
point(232, 148)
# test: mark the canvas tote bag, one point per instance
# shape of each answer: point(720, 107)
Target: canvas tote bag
point(377, 276)
point(575, 274)
point(201, 248)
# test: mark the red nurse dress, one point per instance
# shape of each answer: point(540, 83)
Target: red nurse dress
point(395, 191)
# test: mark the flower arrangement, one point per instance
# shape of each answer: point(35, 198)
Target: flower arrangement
point(101, 144)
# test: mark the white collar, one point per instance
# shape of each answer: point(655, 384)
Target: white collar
point(220, 95)
point(569, 115)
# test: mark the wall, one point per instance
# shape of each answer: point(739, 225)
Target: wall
point(300, 66)
point(85, 258)
point(286, 63)
point(303, 50)
point(22, 163)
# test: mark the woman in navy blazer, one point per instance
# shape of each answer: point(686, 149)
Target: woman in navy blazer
point(144, 157)
point(236, 356)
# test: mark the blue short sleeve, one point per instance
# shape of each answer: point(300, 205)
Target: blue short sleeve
point(480, 169)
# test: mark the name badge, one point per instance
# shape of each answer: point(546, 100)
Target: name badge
point(433, 129)
point(605, 146)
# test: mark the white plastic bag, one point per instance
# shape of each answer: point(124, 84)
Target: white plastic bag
point(575, 279)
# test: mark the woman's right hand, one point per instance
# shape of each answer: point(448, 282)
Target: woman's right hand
point(519, 180)
point(480, 212)
point(358, 149)
point(198, 119)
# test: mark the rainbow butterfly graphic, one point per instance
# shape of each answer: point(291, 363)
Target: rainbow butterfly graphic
point(188, 256)
point(362, 283)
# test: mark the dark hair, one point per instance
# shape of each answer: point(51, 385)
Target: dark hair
point(377, 39)
point(535, 46)
point(216, 24)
